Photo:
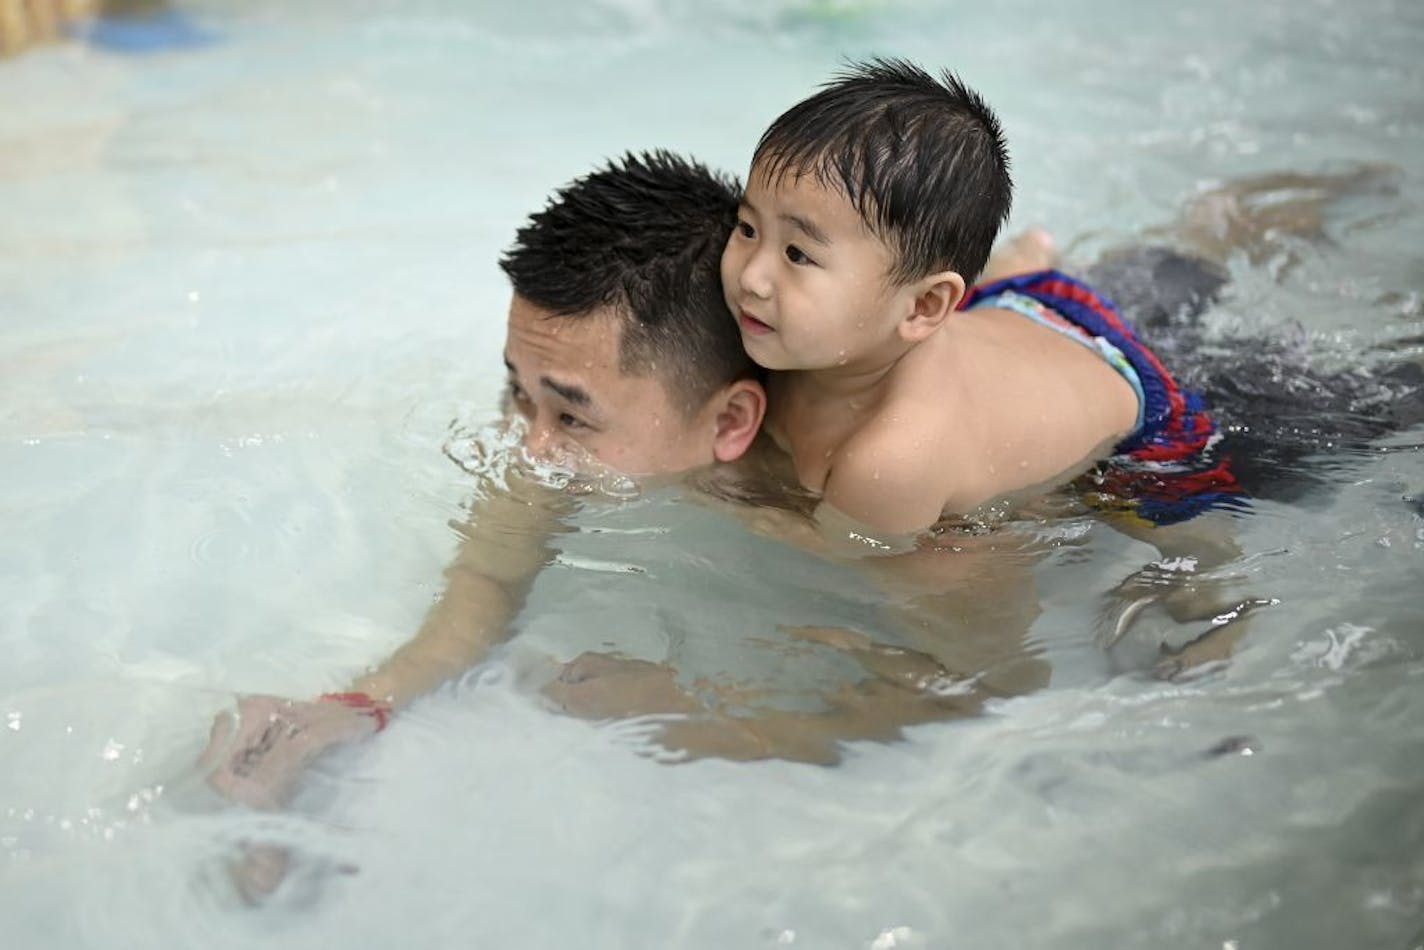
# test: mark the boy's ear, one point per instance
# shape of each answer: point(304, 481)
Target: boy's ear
point(936, 297)
point(741, 407)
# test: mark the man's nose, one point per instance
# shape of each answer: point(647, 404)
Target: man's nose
point(541, 441)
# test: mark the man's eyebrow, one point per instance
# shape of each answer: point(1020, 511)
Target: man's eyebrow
point(574, 394)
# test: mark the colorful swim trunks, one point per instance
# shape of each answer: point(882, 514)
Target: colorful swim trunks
point(1166, 470)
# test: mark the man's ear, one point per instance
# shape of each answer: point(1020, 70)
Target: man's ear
point(740, 409)
point(936, 297)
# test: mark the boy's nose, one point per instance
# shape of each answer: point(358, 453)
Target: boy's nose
point(755, 278)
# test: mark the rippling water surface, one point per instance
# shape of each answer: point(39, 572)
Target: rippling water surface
point(248, 294)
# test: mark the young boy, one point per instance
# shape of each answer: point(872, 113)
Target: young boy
point(870, 208)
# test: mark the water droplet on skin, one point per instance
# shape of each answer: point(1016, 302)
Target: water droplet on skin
point(875, 475)
point(1023, 463)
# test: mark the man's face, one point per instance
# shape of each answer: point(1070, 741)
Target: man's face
point(582, 411)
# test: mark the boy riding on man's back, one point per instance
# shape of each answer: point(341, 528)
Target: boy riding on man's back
point(869, 210)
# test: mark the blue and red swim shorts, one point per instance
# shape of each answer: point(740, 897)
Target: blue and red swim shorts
point(1167, 470)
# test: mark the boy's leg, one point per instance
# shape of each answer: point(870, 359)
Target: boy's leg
point(1030, 251)
point(1157, 288)
point(1260, 215)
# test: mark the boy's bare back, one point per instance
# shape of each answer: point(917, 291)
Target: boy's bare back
point(991, 406)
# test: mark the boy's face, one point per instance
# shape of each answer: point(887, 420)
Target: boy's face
point(806, 279)
point(582, 411)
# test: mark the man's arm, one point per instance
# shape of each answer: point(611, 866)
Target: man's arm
point(257, 758)
point(502, 549)
point(901, 688)
point(962, 606)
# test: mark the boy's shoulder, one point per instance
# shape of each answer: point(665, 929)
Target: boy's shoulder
point(896, 471)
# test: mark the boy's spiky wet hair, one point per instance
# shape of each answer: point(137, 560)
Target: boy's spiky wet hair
point(922, 160)
point(642, 235)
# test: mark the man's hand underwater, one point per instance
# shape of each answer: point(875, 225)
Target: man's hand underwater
point(258, 755)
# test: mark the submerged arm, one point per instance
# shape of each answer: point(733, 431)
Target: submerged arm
point(961, 613)
point(257, 757)
point(502, 549)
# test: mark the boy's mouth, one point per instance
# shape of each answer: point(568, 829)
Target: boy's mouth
point(751, 324)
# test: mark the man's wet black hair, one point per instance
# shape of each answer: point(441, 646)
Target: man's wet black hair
point(922, 160)
point(643, 235)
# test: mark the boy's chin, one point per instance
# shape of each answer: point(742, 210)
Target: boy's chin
point(763, 356)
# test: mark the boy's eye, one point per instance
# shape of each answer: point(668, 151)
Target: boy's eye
point(517, 393)
point(745, 229)
point(795, 255)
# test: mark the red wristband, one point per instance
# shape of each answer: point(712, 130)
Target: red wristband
point(375, 708)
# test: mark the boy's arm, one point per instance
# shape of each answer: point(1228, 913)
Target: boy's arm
point(886, 485)
point(257, 757)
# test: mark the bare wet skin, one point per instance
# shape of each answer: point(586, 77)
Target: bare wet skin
point(903, 688)
point(1257, 217)
point(1261, 216)
point(959, 607)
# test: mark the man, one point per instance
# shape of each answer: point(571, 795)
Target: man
point(620, 357)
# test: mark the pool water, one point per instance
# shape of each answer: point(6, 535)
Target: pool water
point(248, 296)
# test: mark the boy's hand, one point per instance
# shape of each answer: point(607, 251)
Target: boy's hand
point(258, 755)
